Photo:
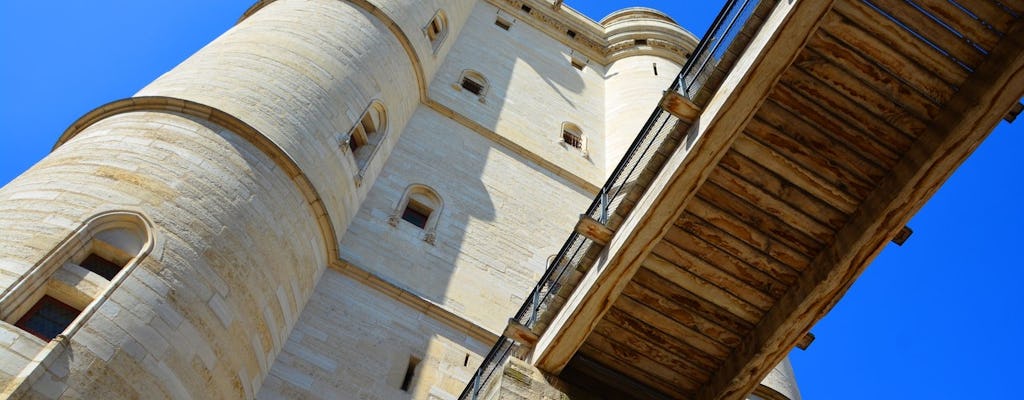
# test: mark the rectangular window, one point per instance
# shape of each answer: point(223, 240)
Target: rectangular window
point(101, 266)
point(503, 24)
point(48, 318)
point(416, 214)
point(472, 86)
point(572, 140)
point(578, 64)
point(526, 8)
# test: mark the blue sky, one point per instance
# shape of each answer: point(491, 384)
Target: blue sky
point(939, 318)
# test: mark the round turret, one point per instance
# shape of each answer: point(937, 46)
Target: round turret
point(647, 51)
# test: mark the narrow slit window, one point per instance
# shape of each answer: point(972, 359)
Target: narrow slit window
point(526, 8)
point(101, 266)
point(410, 374)
point(640, 42)
point(48, 318)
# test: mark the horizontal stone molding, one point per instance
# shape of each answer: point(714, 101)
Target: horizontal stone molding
point(278, 155)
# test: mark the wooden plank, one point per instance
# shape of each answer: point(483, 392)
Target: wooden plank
point(637, 365)
point(660, 330)
point(924, 100)
point(938, 35)
point(698, 247)
point(896, 137)
point(1017, 6)
point(961, 126)
point(681, 301)
point(703, 289)
point(593, 230)
point(784, 190)
point(845, 35)
point(697, 266)
point(637, 294)
point(815, 144)
point(968, 26)
point(774, 138)
point(655, 347)
point(897, 41)
point(991, 13)
point(835, 123)
point(613, 362)
point(759, 219)
point(849, 66)
point(768, 55)
point(898, 107)
point(771, 205)
point(801, 177)
point(782, 263)
point(599, 380)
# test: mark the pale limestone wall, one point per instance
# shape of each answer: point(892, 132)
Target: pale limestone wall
point(302, 78)
point(503, 217)
point(632, 93)
point(238, 252)
point(533, 90)
point(354, 342)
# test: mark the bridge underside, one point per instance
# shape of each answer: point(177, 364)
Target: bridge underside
point(833, 129)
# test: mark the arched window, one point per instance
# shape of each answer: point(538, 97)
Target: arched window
point(421, 207)
point(366, 134)
point(473, 82)
point(436, 30)
point(572, 136)
point(81, 270)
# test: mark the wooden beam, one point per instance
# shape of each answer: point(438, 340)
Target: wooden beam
point(771, 51)
point(1014, 112)
point(520, 333)
point(902, 236)
point(963, 123)
point(805, 341)
point(594, 230)
point(679, 106)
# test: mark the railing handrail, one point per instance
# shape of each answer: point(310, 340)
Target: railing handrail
point(554, 273)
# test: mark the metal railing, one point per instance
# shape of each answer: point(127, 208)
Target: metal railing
point(691, 79)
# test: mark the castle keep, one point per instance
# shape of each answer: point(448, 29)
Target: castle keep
point(350, 199)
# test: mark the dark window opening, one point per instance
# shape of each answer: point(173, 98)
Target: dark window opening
point(572, 140)
point(640, 42)
point(503, 24)
point(578, 64)
point(416, 214)
point(571, 33)
point(48, 318)
point(101, 266)
point(465, 362)
point(526, 8)
point(410, 373)
point(472, 86)
point(655, 65)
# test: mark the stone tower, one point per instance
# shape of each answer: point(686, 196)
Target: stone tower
point(333, 199)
